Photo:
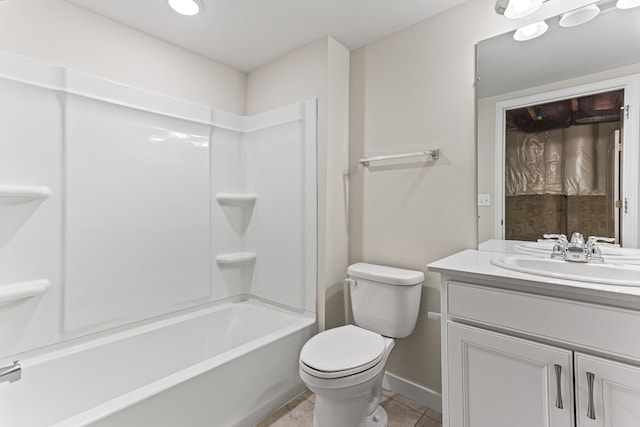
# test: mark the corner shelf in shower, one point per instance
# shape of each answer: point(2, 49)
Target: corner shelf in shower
point(16, 194)
point(22, 290)
point(236, 199)
point(236, 259)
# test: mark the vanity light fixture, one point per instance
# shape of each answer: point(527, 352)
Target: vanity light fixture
point(627, 4)
point(579, 16)
point(514, 9)
point(531, 31)
point(186, 7)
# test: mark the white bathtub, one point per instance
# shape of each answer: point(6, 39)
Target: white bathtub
point(224, 365)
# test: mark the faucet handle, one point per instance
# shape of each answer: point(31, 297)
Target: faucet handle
point(559, 237)
point(594, 239)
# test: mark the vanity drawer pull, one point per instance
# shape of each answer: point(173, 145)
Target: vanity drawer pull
point(591, 411)
point(558, 369)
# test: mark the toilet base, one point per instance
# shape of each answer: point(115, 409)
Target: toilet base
point(378, 419)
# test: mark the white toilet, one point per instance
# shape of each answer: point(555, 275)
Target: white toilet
point(344, 366)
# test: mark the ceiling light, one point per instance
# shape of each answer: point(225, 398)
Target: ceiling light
point(531, 31)
point(627, 4)
point(186, 7)
point(579, 16)
point(521, 8)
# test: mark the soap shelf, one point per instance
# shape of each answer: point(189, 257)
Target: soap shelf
point(236, 199)
point(236, 258)
point(22, 290)
point(242, 200)
point(15, 194)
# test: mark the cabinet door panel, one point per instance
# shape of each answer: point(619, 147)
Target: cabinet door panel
point(616, 393)
point(500, 381)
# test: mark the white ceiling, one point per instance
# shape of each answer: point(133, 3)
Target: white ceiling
point(246, 34)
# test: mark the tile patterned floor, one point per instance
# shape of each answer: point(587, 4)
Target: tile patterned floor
point(402, 411)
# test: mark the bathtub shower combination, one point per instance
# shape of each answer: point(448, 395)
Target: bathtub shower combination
point(157, 257)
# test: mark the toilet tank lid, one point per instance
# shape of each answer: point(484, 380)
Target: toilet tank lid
point(385, 274)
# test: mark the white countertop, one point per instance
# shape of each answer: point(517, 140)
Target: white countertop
point(475, 265)
point(498, 245)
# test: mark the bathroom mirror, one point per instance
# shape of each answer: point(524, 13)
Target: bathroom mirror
point(568, 64)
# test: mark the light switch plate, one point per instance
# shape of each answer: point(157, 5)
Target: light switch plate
point(484, 199)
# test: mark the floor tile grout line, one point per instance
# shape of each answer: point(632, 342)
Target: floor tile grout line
point(410, 408)
point(413, 409)
point(420, 412)
point(431, 418)
point(307, 395)
point(428, 418)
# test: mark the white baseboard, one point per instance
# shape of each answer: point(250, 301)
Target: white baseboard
point(413, 391)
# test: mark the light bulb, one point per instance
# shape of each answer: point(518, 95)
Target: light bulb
point(185, 7)
point(520, 8)
point(531, 31)
point(627, 4)
point(579, 16)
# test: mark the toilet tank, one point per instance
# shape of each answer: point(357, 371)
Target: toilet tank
point(385, 299)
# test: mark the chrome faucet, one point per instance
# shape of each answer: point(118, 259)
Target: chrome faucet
point(11, 373)
point(576, 250)
point(577, 239)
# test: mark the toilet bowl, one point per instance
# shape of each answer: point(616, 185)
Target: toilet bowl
point(345, 366)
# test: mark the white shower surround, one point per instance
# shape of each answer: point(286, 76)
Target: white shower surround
point(146, 193)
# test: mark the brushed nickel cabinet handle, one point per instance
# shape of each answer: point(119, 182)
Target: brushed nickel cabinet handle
point(591, 411)
point(558, 369)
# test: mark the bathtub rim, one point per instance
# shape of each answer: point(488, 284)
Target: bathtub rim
point(126, 400)
point(51, 352)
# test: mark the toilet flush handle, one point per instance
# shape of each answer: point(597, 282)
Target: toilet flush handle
point(350, 282)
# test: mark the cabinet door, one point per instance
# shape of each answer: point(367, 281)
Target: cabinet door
point(608, 393)
point(499, 381)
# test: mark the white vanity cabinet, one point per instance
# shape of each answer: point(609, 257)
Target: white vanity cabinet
point(497, 380)
point(523, 351)
point(616, 392)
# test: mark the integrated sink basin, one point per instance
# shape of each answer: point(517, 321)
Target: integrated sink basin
point(611, 274)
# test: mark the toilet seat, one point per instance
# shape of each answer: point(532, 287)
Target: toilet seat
point(341, 352)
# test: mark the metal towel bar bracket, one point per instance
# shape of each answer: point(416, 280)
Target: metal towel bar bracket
point(11, 373)
point(433, 154)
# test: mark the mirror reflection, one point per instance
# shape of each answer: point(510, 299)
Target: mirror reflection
point(553, 118)
point(562, 167)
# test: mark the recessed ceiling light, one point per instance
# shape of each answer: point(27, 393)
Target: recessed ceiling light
point(520, 8)
point(531, 31)
point(186, 7)
point(579, 16)
point(627, 4)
